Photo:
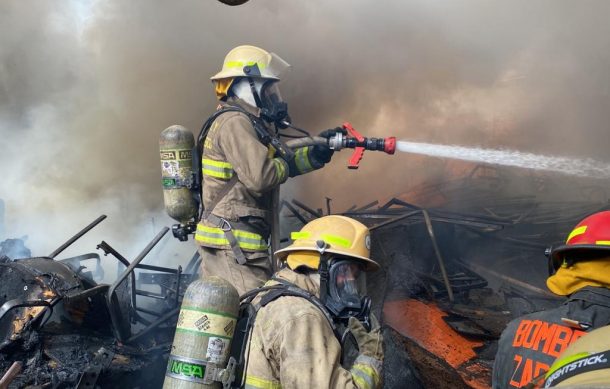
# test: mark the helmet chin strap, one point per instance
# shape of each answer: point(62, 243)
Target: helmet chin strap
point(257, 98)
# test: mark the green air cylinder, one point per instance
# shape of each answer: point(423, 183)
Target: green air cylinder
point(203, 334)
point(176, 146)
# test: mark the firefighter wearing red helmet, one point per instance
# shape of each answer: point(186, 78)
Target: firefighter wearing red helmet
point(578, 269)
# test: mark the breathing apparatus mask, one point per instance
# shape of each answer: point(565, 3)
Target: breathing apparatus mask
point(343, 288)
point(273, 108)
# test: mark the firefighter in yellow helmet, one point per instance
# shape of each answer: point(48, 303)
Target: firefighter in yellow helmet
point(584, 364)
point(243, 162)
point(295, 341)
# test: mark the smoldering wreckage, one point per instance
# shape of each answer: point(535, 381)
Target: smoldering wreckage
point(456, 260)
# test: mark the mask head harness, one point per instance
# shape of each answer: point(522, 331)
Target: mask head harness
point(342, 285)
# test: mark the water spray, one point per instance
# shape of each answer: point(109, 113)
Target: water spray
point(565, 165)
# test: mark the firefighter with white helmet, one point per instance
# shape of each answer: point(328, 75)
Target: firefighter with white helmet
point(580, 270)
point(294, 339)
point(242, 163)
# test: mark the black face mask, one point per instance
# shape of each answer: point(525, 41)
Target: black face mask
point(273, 108)
point(342, 285)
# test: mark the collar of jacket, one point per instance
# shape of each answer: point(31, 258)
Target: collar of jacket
point(592, 294)
point(237, 102)
point(303, 281)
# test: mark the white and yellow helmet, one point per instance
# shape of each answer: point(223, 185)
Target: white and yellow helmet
point(251, 61)
point(343, 236)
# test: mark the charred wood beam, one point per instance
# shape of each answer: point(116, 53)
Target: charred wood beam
point(395, 201)
point(328, 200)
point(366, 206)
point(510, 280)
point(304, 207)
point(295, 212)
point(439, 257)
point(77, 236)
point(394, 220)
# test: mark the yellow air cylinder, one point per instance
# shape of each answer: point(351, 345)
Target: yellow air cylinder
point(204, 331)
point(176, 146)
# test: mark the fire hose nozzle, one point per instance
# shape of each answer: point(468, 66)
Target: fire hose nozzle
point(356, 141)
point(389, 145)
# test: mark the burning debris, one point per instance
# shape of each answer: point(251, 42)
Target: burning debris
point(60, 326)
point(457, 272)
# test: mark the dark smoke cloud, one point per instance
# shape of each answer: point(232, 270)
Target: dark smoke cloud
point(86, 87)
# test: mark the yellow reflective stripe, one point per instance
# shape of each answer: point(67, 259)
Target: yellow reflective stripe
point(364, 376)
point(299, 235)
point(213, 173)
point(241, 64)
point(558, 364)
point(245, 239)
point(261, 383)
point(211, 162)
point(301, 159)
point(337, 240)
point(603, 242)
point(577, 231)
point(218, 169)
point(280, 168)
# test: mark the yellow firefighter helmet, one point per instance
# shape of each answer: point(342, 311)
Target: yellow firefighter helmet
point(343, 236)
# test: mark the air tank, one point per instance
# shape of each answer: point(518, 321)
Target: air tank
point(204, 331)
point(176, 146)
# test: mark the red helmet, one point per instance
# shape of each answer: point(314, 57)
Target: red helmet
point(590, 239)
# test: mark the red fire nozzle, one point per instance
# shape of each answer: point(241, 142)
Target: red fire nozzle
point(354, 140)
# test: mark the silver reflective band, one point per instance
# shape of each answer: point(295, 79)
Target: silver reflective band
point(579, 366)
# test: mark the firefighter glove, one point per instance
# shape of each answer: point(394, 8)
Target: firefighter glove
point(369, 343)
point(309, 158)
point(332, 132)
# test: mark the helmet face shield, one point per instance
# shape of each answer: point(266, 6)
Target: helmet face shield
point(276, 67)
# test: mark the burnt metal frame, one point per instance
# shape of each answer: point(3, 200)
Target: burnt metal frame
point(110, 290)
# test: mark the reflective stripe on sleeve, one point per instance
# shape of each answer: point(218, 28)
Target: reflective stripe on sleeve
point(280, 168)
point(217, 169)
point(364, 376)
point(301, 159)
point(216, 236)
point(261, 383)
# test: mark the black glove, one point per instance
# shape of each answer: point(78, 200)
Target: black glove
point(332, 132)
point(321, 154)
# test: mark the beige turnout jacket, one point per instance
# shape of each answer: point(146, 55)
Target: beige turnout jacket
point(232, 147)
point(293, 346)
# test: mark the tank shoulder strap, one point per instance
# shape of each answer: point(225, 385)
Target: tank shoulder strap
point(247, 316)
point(285, 288)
